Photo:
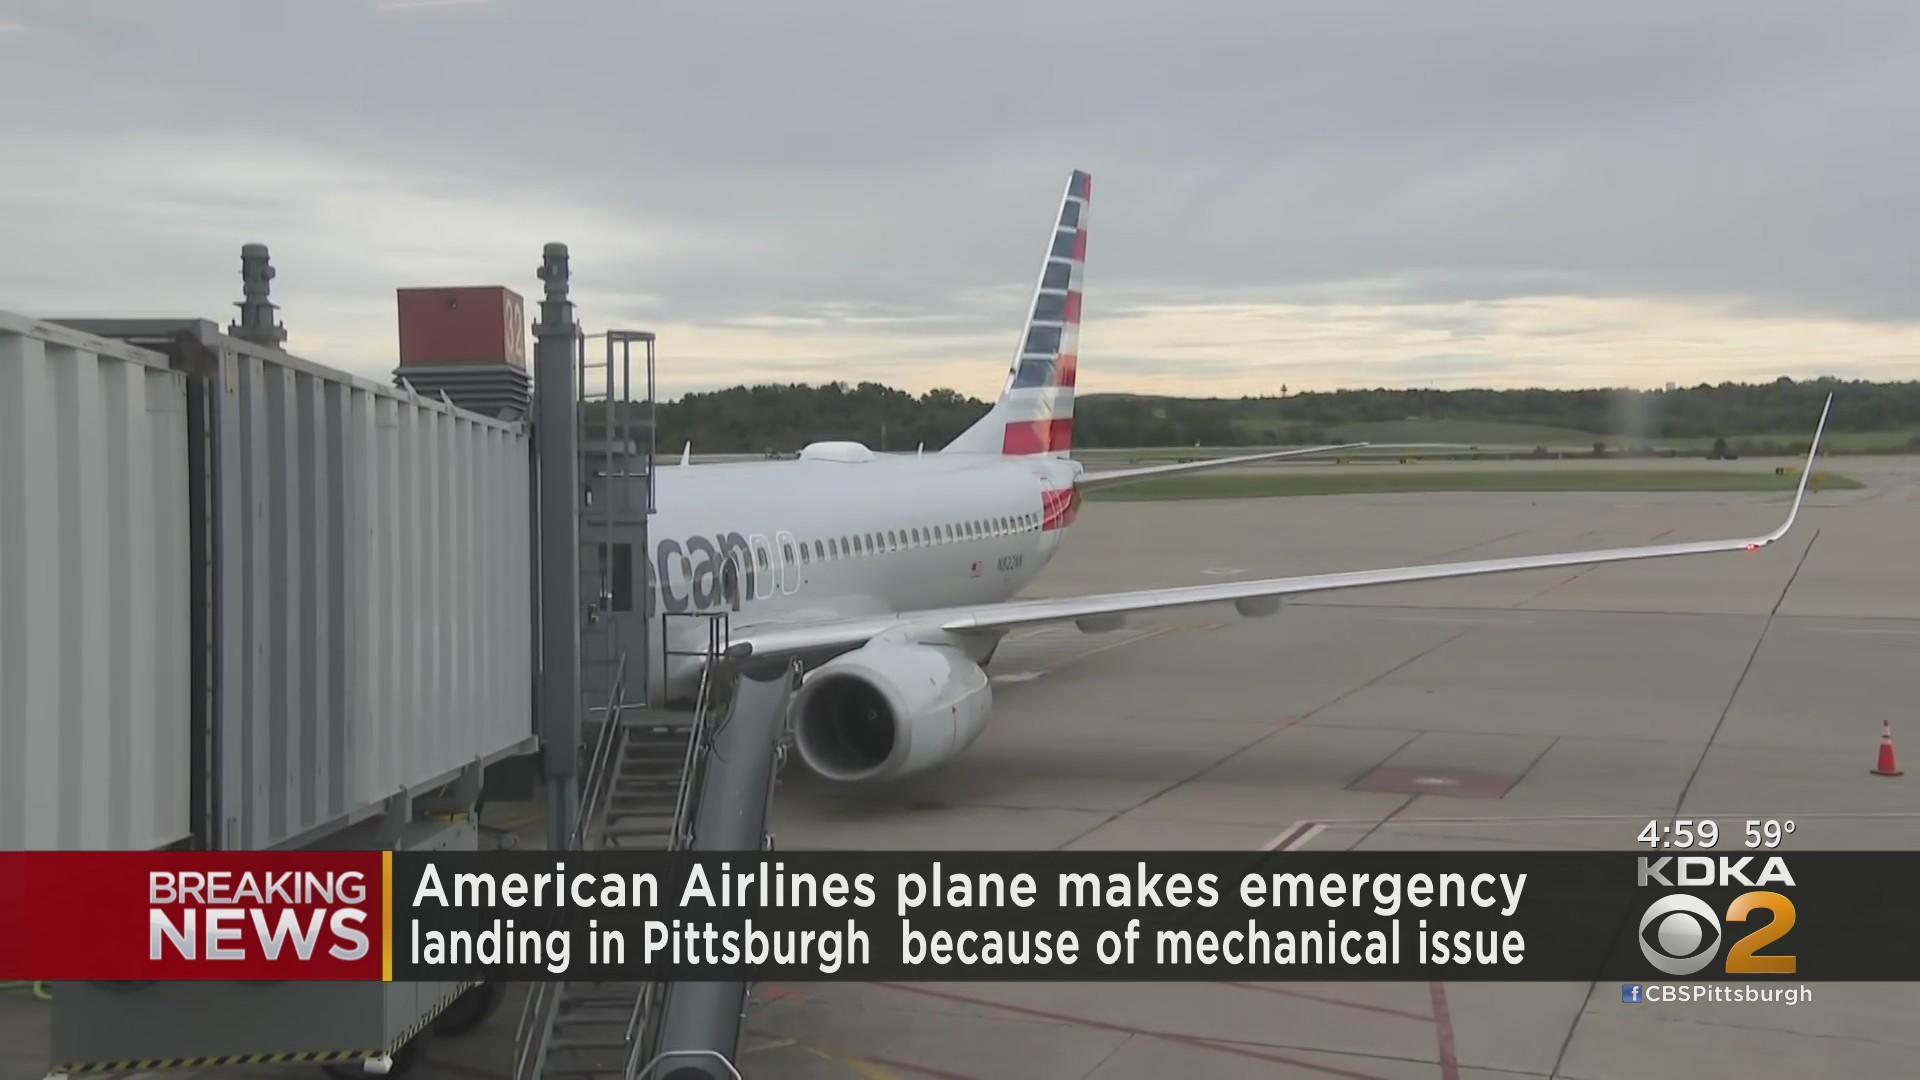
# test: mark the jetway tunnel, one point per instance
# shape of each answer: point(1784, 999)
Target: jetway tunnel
point(355, 612)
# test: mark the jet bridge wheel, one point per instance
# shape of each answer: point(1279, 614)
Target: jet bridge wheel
point(469, 1010)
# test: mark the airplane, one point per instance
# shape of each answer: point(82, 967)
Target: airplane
point(892, 577)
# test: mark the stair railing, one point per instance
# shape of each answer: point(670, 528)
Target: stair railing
point(535, 1029)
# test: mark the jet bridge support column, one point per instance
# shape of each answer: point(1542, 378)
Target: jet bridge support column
point(700, 1019)
point(557, 437)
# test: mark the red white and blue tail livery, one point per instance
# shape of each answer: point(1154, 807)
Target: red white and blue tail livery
point(1035, 412)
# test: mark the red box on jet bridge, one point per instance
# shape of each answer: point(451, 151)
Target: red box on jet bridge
point(480, 324)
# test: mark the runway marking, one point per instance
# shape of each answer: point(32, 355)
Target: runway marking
point(1443, 1032)
point(1754, 654)
point(1282, 991)
point(1111, 645)
point(1200, 1041)
point(1861, 630)
point(1594, 819)
point(853, 1064)
point(1222, 571)
point(1018, 676)
point(1294, 837)
point(923, 1070)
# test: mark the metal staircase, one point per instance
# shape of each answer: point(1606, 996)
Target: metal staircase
point(641, 786)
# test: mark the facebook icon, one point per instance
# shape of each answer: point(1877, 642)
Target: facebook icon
point(1630, 993)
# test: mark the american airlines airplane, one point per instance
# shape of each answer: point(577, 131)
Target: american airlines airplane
point(892, 577)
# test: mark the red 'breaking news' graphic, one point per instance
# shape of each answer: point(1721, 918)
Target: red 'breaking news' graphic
point(107, 916)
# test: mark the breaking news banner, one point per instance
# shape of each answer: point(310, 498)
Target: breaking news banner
point(958, 916)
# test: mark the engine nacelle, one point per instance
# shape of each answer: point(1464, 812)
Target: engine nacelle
point(889, 709)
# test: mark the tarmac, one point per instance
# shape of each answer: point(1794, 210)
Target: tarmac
point(1554, 710)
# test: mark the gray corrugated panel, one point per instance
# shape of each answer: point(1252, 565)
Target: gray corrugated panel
point(93, 592)
point(373, 588)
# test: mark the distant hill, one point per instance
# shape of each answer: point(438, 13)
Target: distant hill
point(1751, 417)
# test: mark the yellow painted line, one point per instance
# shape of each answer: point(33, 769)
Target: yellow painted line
point(513, 823)
point(386, 916)
point(777, 1044)
point(1112, 645)
point(854, 1065)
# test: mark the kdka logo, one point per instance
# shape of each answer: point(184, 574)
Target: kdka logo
point(1680, 934)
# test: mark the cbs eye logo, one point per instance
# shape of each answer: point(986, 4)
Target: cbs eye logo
point(1679, 934)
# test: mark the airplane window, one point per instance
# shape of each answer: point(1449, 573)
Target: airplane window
point(916, 538)
point(949, 530)
point(760, 556)
point(787, 549)
point(819, 550)
point(869, 543)
point(805, 555)
point(892, 540)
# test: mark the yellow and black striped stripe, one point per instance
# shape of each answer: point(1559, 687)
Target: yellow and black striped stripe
point(299, 1057)
point(305, 1057)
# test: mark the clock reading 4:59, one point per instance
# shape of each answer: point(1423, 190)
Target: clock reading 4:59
point(1683, 833)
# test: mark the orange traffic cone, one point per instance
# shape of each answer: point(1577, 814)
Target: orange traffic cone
point(1887, 766)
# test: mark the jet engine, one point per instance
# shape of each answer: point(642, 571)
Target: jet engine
point(889, 709)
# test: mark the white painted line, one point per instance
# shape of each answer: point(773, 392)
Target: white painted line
point(1590, 819)
point(1863, 630)
point(1294, 837)
point(1018, 676)
point(1222, 571)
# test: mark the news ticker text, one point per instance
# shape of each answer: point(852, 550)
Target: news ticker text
point(957, 916)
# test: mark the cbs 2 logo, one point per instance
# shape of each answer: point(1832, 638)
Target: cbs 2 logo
point(1679, 934)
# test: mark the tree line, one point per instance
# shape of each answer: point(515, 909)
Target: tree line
point(782, 418)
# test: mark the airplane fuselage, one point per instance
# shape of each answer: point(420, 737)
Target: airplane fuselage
point(819, 538)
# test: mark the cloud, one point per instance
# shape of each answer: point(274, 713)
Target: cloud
point(805, 190)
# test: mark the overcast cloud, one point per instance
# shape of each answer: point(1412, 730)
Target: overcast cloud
point(1318, 195)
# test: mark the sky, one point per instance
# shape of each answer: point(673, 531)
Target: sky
point(1299, 195)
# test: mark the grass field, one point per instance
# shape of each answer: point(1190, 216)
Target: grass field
point(1488, 433)
point(1337, 481)
point(1466, 432)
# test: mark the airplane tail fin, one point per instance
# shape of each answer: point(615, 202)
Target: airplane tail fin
point(1035, 412)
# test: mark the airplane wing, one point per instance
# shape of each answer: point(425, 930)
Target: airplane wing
point(1105, 478)
point(1250, 597)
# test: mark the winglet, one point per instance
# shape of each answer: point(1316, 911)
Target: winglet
point(1806, 473)
point(686, 453)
